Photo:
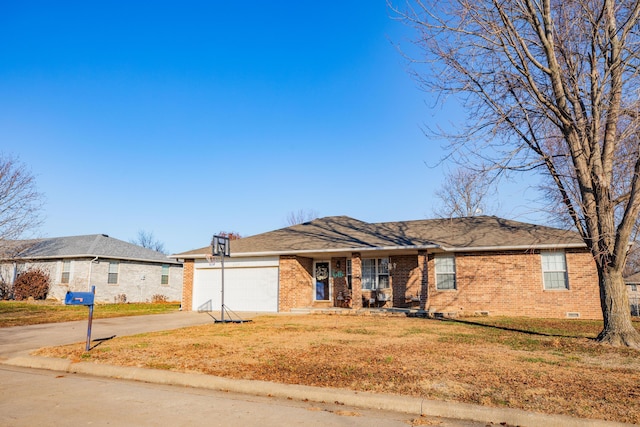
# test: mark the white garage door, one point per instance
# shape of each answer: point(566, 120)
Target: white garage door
point(248, 286)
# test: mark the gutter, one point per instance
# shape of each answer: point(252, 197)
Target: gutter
point(515, 248)
point(391, 248)
point(327, 251)
point(92, 256)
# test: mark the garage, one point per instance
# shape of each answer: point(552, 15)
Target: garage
point(249, 285)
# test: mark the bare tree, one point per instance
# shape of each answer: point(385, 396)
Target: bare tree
point(463, 194)
point(146, 239)
point(232, 235)
point(20, 202)
point(553, 87)
point(301, 216)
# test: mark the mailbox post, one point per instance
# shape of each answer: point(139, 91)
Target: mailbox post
point(83, 298)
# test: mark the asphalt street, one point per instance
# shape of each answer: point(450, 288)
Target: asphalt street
point(31, 397)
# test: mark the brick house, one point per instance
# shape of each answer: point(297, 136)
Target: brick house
point(462, 266)
point(120, 271)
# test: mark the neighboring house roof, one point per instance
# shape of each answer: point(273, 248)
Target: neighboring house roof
point(93, 245)
point(342, 233)
point(634, 279)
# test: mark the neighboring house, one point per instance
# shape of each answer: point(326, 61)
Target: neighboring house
point(461, 266)
point(633, 290)
point(120, 271)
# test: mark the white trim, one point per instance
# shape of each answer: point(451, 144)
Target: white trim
point(444, 256)
point(515, 248)
point(255, 262)
point(565, 271)
point(70, 278)
point(169, 260)
point(315, 289)
point(392, 248)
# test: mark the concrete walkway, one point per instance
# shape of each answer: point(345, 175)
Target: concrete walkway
point(17, 342)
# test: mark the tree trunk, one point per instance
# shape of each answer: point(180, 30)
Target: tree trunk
point(618, 329)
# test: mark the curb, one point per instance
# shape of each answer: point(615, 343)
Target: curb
point(387, 402)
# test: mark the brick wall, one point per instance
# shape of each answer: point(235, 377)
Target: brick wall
point(187, 284)
point(510, 284)
point(356, 279)
point(296, 282)
point(339, 278)
point(405, 279)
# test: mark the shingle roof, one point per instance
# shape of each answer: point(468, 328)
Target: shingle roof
point(345, 233)
point(634, 279)
point(93, 245)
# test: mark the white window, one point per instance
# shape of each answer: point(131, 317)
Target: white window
point(445, 271)
point(554, 270)
point(66, 272)
point(164, 279)
point(113, 273)
point(375, 273)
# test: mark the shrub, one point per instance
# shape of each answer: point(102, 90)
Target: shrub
point(5, 290)
point(33, 283)
point(120, 299)
point(157, 298)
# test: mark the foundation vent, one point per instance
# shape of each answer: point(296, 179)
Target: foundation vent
point(573, 315)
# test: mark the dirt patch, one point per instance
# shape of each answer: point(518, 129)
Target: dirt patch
point(529, 364)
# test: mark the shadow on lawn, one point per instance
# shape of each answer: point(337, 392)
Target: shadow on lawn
point(99, 341)
point(511, 329)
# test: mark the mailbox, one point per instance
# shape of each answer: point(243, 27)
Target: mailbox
point(79, 298)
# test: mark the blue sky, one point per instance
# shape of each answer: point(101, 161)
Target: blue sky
point(188, 118)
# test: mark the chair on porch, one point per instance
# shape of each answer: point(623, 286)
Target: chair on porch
point(347, 300)
point(369, 301)
point(339, 299)
point(383, 297)
point(413, 299)
point(343, 299)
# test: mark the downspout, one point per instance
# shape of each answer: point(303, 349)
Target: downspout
point(13, 279)
point(90, 267)
point(15, 273)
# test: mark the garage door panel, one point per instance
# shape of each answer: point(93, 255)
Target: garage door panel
point(246, 289)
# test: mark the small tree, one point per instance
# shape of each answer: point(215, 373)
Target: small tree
point(463, 194)
point(20, 202)
point(146, 239)
point(232, 235)
point(301, 216)
point(33, 283)
point(5, 289)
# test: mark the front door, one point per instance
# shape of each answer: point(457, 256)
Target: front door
point(322, 281)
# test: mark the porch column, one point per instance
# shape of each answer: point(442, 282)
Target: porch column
point(423, 262)
point(356, 280)
point(187, 284)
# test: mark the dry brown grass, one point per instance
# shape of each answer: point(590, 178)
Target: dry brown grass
point(22, 313)
point(550, 366)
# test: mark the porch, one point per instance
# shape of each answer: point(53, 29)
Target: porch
point(378, 311)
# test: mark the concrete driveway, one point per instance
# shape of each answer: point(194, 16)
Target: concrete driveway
point(20, 339)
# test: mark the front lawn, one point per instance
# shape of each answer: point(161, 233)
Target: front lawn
point(549, 366)
point(18, 313)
